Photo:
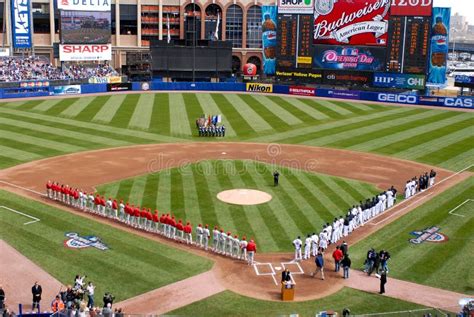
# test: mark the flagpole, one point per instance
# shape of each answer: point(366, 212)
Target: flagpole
point(194, 42)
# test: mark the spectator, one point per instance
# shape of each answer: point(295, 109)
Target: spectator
point(107, 310)
point(57, 304)
point(346, 265)
point(36, 291)
point(337, 256)
point(90, 295)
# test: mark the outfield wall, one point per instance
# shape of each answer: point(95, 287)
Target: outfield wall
point(388, 97)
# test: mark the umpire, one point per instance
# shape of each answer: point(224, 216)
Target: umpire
point(276, 176)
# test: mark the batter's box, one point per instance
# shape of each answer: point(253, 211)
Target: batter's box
point(265, 269)
point(293, 267)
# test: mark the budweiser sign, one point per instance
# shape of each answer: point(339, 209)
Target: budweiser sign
point(353, 22)
point(90, 52)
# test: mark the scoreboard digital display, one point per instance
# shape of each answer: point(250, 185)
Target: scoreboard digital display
point(408, 44)
point(294, 41)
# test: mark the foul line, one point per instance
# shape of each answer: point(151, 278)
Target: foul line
point(459, 206)
point(23, 188)
point(23, 214)
point(412, 200)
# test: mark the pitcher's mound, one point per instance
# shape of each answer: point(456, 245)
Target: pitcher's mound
point(244, 197)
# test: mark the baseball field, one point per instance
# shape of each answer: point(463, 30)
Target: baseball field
point(145, 149)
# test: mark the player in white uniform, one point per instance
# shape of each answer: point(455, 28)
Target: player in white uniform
point(329, 232)
point(307, 247)
point(121, 211)
point(199, 233)
point(297, 243)
point(236, 247)
point(215, 239)
point(229, 244)
point(323, 240)
point(206, 234)
point(243, 248)
point(314, 241)
point(108, 207)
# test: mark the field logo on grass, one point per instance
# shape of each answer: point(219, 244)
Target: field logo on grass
point(75, 241)
point(429, 234)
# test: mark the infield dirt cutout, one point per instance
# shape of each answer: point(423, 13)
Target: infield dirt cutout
point(243, 196)
point(89, 169)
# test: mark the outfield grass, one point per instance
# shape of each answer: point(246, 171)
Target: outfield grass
point(231, 304)
point(446, 265)
point(133, 265)
point(301, 204)
point(31, 130)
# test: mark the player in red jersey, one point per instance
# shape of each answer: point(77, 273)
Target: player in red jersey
point(179, 230)
point(49, 191)
point(156, 221)
point(251, 249)
point(114, 209)
point(188, 233)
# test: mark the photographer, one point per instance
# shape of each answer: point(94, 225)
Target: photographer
point(108, 299)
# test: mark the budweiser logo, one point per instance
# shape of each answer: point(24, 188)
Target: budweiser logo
point(328, 30)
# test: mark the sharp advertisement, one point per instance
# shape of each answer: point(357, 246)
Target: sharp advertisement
point(269, 38)
point(21, 24)
point(351, 22)
point(400, 81)
point(85, 5)
point(349, 57)
point(411, 7)
point(97, 52)
point(439, 46)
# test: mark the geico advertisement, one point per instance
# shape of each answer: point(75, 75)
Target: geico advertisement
point(267, 88)
point(91, 52)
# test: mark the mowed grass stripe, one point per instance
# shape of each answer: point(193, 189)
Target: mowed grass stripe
point(7, 161)
point(61, 106)
point(177, 194)
point(163, 200)
point(137, 190)
point(239, 124)
point(112, 192)
point(92, 108)
point(345, 196)
point(323, 107)
point(160, 118)
point(339, 137)
point(179, 121)
point(334, 106)
point(210, 107)
point(47, 104)
point(449, 151)
point(17, 154)
point(141, 117)
point(65, 133)
point(257, 123)
point(352, 196)
point(31, 148)
point(285, 105)
point(306, 133)
point(274, 121)
point(301, 105)
point(151, 191)
point(191, 206)
point(363, 190)
point(109, 109)
point(77, 107)
point(208, 211)
point(283, 114)
point(356, 107)
point(39, 141)
point(125, 111)
point(460, 162)
point(123, 192)
point(373, 140)
point(194, 111)
point(428, 140)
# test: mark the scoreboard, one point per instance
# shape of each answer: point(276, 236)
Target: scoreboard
point(294, 41)
point(408, 44)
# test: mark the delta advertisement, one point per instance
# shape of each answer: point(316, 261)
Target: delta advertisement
point(439, 46)
point(295, 6)
point(269, 39)
point(348, 58)
point(86, 52)
point(411, 7)
point(351, 22)
point(84, 5)
point(21, 24)
point(400, 81)
point(66, 90)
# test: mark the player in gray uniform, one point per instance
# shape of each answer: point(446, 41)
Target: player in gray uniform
point(205, 237)
point(215, 240)
point(236, 247)
point(243, 248)
point(199, 233)
point(121, 213)
point(229, 244)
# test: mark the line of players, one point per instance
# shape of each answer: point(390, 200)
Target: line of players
point(166, 224)
point(356, 217)
point(419, 184)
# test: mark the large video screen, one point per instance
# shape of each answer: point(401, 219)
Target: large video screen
point(354, 58)
point(85, 27)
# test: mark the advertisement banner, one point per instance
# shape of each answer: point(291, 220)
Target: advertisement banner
point(401, 81)
point(342, 94)
point(4, 51)
point(32, 84)
point(439, 46)
point(255, 87)
point(352, 22)
point(302, 91)
point(411, 7)
point(338, 77)
point(296, 6)
point(90, 52)
point(348, 58)
point(21, 24)
point(312, 76)
point(119, 87)
point(464, 81)
point(115, 79)
point(456, 102)
point(84, 5)
point(67, 90)
point(269, 37)
point(387, 97)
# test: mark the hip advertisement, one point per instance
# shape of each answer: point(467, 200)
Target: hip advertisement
point(401, 81)
point(119, 87)
point(296, 6)
point(338, 77)
point(90, 52)
point(21, 24)
point(255, 87)
point(439, 46)
point(349, 58)
point(269, 39)
point(67, 90)
point(302, 91)
point(351, 22)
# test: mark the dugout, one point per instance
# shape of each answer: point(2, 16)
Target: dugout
point(205, 61)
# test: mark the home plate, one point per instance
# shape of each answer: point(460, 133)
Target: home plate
point(224, 153)
point(244, 197)
point(278, 268)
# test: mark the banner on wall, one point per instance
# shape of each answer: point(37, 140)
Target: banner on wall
point(269, 37)
point(349, 57)
point(84, 5)
point(66, 90)
point(21, 24)
point(302, 91)
point(439, 46)
point(341, 77)
point(89, 52)
point(296, 6)
point(351, 22)
point(256, 87)
point(411, 7)
point(401, 81)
